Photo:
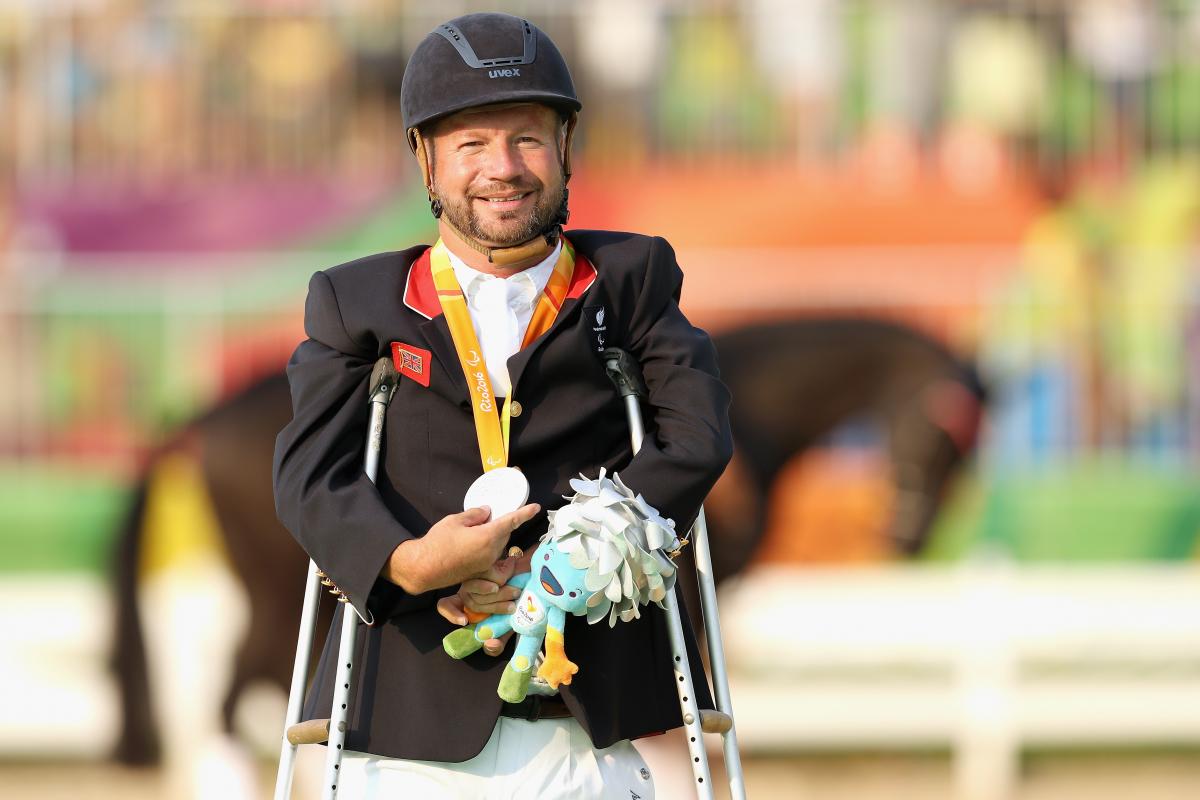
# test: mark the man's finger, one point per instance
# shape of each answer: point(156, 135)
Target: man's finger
point(510, 522)
point(497, 607)
point(452, 609)
point(498, 596)
point(479, 586)
point(494, 647)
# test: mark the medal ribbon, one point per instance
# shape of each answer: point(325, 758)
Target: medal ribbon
point(492, 424)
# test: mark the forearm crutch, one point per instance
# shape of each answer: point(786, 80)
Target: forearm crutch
point(384, 380)
point(626, 374)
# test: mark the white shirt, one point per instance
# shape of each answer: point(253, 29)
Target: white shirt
point(501, 309)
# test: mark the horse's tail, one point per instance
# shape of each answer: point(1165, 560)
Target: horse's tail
point(138, 742)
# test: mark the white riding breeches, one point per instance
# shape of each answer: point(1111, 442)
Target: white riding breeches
point(550, 759)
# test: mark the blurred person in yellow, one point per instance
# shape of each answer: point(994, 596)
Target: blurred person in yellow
point(496, 332)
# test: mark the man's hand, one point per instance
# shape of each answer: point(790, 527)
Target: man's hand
point(486, 593)
point(458, 547)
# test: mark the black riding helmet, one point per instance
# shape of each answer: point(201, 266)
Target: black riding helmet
point(479, 60)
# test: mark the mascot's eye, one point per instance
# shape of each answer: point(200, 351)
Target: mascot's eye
point(546, 557)
point(572, 594)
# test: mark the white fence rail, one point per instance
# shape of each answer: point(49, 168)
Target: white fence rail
point(986, 659)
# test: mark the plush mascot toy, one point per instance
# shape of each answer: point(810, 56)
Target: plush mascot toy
point(606, 553)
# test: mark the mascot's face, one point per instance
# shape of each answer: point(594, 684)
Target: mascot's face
point(559, 582)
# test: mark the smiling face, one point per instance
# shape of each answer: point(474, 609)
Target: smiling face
point(498, 171)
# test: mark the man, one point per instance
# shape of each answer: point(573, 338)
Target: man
point(495, 331)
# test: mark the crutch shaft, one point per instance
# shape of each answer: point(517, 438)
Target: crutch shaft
point(626, 375)
point(308, 620)
point(716, 654)
point(383, 383)
point(634, 411)
point(689, 708)
point(341, 703)
point(345, 664)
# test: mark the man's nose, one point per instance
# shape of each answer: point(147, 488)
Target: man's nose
point(504, 162)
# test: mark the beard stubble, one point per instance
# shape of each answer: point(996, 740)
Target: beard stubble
point(512, 228)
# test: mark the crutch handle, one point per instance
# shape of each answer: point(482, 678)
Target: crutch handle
point(384, 380)
point(625, 373)
point(313, 731)
point(715, 721)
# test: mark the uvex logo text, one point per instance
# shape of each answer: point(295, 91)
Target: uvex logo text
point(504, 73)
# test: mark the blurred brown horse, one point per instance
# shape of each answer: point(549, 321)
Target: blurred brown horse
point(793, 384)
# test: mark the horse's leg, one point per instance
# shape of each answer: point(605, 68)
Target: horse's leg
point(928, 442)
point(138, 742)
point(193, 613)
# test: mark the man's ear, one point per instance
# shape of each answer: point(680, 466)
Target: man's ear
point(424, 152)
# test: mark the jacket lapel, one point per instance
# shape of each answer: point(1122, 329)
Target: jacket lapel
point(581, 280)
point(420, 295)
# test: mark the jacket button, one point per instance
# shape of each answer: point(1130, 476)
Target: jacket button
point(515, 409)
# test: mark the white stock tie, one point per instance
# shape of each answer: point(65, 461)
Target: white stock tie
point(499, 335)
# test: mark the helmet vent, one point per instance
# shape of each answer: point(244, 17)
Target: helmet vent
point(456, 38)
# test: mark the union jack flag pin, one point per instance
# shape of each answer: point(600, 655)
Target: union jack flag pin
point(411, 361)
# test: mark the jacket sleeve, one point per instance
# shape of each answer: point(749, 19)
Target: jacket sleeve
point(322, 494)
point(688, 441)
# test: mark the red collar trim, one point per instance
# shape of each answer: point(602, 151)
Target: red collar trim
point(582, 278)
point(420, 293)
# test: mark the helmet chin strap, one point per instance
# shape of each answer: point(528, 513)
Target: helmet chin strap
point(541, 244)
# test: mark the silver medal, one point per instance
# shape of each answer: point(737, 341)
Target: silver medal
point(503, 490)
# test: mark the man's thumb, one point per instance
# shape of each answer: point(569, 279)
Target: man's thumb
point(475, 516)
point(504, 568)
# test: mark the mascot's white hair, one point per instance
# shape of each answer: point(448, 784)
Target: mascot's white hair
point(622, 541)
